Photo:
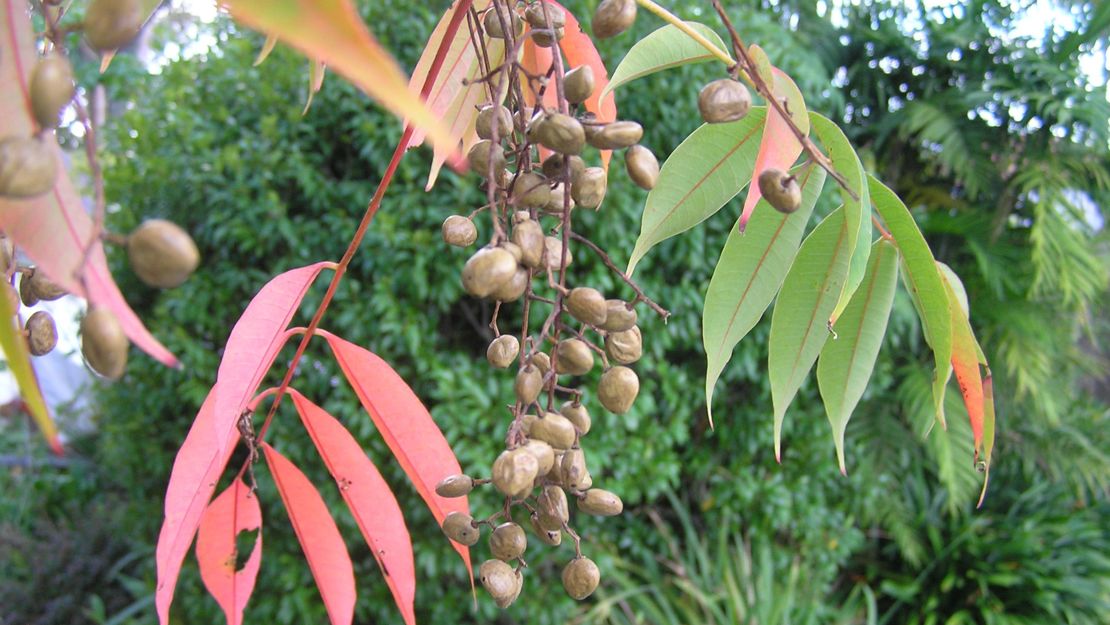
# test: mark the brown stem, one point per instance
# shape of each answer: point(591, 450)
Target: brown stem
point(659, 310)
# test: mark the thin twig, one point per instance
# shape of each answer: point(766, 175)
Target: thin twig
point(659, 310)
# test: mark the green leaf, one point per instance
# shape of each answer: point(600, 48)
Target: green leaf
point(846, 362)
point(19, 363)
point(663, 49)
point(749, 273)
point(856, 211)
point(799, 325)
point(703, 173)
point(923, 281)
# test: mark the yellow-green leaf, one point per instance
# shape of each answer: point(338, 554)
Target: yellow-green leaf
point(267, 48)
point(663, 49)
point(316, 71)
point(19, 362)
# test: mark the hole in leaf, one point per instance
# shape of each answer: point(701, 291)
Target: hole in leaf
point(244, 545)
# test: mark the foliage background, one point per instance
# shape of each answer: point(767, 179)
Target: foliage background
point(998, 143)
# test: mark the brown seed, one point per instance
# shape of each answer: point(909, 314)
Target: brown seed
point(486, 270)
point(51, 89)
point(613, 17)
point(501, 581)
point(600, 503)
point(780, 189)
point(479, 158)
point(513, 249)
point(617, 135)
point(514, 471)
point(43, 288)
point(7, 252)
point(459, 231)
point(26, 293)
point(542, 361)
point(488, 116)
point(460, 528)
point(624, 347)
point(526, 422)
point(42, 335)
point(577, 414)
point(724, 100)
point(574, 357)
point(588, 189)
point(561, 133)
point(529, 190)
point(528, 234)
point(528, 384)
point(27, 167)
point(103, 343)
point(618, 389)
point(553, 253)
point(573, 469)
point(537, 17)
point(553, 167)
point(555, 430)
point(512, 289)
point(112, 24)
point(557, 200)
point(553, 508)
point(494, 23)
point(587, 305)
point(581, 578)
point(502, 351)
point(619, 317)
point(578, 84)
point(455, 486)
point(642, 166)
point(544, 453)
point(162, 254)
point(547, 39)
point(547, 537)
point(508, 542)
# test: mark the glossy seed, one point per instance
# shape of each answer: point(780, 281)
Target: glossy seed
point(617, 389)
point(724, 100)
point(642, 167)
point(613, 17)
point(459, 231)
point(455, 486)
point(502, 351)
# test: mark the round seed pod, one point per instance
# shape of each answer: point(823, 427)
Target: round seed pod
point(553, 253)
point(624, 347)
point(600, 503)
point(12, 295)
point(538, 18)
point(490, 115)
point(51, 89)
point(561, 133)
point(781, 190)
point(724, 100)
point(619, 317)
point(514, 288)
point(577, 414)
point(455, 486)
point(486, 270)
point(529, 383)
point(26, 293)
point(591, 125)
point(112, 24)
point(547, 537)
point(542, 361)
point(618, 389)
point(588, 189)
point(492, 23)
point(547, 39)
point(513, 472)
point(642, 166)
point(578, 84)
point(508, 542)
point(587, 482)
point(587, 305)
point(553, 508)
point(544, 453)
point(529, 190)
point(613, 17)
point(574, 357)
point(557, 199)
point(526, 422)
point(513, 249)
point(459, 231)
point(103, 343)
point(573, 469)
point(43, 288)
point(501, 581)
point(555, 430)
point(553, 167)
point(502, 351)
point(528, 234)
point(27, 167)
point(42, 335)
point(162, 254)
point(581, 578)
point(7, 253)
point(617, 135)
point(555, 475)
point(479, 158)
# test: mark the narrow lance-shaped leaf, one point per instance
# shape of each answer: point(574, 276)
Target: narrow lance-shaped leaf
point(405, 425)
point(984, 453)
point(799, 326)
point(703, 173)
point(846, 362)
point(967, 356)
point(749, 273)
point(857, 210)
point(267, 48)
point(316, 72)
point(663, 49)
point(319, 537)
point(923, 281)
point(369, 499)
point(233, 512)
point(19, 364)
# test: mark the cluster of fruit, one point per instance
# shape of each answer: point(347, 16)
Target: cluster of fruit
point(536, 177)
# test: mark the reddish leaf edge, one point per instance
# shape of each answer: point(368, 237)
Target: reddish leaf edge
point(216, 551)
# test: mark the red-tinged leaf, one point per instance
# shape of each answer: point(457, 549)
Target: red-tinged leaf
point(984, 453)
point(234, 511)
point(369, 498)
point(54, 229)
point(778, 148)
point(966, 361)
point(267, 48)
point(333, 33)
point(319, 537)
point(405, 424)
point(196, 470)
point(316, 73)
point(254, 343)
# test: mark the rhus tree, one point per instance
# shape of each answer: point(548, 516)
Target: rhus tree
point(521, 91)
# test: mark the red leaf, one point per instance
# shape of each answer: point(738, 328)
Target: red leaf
point(369, 498)
point(234, 511)
point(319, 537)
point(404, 423)
point(254, 343)
point(54, 228)
point(196, 470)
point(778, 148)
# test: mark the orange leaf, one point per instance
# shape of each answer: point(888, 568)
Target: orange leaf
point(778, 148)
point(368, 497)
point(333, 33)
point(404, 423)
point(319, 537)
point(234, 511)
